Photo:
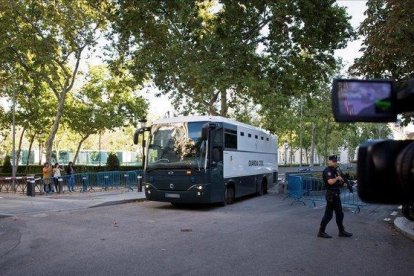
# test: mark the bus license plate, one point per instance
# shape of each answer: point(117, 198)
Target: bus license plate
point(172, 195)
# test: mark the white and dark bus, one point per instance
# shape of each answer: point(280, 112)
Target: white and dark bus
point(207, 159)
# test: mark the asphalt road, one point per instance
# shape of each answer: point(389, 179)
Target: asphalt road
point(255, 236)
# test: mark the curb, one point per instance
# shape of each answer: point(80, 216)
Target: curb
point(405, 226)
point(5, 216)
point(118, 202)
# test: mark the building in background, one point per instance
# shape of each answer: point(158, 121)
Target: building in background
point(85, 157)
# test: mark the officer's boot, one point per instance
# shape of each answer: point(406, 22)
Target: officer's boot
point(322, 234)
point(343, 233)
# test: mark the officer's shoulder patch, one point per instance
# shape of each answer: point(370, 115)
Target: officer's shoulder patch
point(329, 173)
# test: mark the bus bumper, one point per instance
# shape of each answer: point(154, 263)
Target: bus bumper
point(195, 194)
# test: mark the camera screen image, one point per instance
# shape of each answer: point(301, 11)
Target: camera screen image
point(367, 101)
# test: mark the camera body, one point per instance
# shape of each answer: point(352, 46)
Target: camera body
point(385, 169)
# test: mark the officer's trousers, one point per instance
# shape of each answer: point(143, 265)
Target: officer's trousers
point(333, 203)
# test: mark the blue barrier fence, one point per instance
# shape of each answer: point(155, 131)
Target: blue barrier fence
point(310, 190)
point(82, 182)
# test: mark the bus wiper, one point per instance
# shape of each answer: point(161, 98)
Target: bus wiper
point(151, 146)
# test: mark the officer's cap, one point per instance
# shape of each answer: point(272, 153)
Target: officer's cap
point(333, 158)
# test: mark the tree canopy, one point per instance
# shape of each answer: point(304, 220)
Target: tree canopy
point(262, 61)
point(43, 45)
point(212, 54)
point(388, 47)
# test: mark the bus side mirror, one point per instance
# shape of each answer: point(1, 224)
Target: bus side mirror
point(138, 132)
point(204, 130)
point(136, 135)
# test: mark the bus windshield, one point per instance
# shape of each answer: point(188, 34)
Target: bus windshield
point(176, 145)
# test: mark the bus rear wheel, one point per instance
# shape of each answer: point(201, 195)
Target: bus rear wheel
point(262, 189)
point(228, 195)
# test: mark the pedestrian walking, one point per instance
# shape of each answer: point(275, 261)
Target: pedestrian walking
point(56, 175)
point(70, 177)
point(333, 183)
point(47, 177)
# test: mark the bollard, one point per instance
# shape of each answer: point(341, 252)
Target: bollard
point(60, 180)
point(128, 182)
point(30, 191)
point(106, 179)
point(84, 184)
point(139, 177)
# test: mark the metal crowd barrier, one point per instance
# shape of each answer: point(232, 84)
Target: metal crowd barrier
point(306, 188)
point(83, 182)
point(294, 186)
point(20, 184)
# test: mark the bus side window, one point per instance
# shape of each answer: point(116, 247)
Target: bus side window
point(230, 139)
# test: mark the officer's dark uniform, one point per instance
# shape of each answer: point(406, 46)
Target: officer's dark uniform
point(333, 202)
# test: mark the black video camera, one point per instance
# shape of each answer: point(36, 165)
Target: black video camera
point(385, 170)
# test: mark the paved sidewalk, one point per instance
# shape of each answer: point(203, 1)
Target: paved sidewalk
point(12, 204)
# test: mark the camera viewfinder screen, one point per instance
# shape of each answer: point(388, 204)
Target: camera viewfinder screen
point(365, 101)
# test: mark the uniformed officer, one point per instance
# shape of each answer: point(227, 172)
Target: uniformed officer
point(333, 201)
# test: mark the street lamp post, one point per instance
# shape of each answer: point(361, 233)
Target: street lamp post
point(14, 141)
point(286, 148)
point(300, 132)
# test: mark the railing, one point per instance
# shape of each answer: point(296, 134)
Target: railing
point(82, 182)
point(308, 189)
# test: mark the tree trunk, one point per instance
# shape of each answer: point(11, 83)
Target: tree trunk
point(57, 148)
point(291, 148)
point(325, 153)
point(30, 151)
point(78, 149)
point(55, 127)
point(69, 81)
point(307, 155)
point(312, 145)
point(40, 153)
point(224, 107)
point(212, 111)
point(19, 149)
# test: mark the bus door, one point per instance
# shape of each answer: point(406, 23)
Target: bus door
point(216, 163)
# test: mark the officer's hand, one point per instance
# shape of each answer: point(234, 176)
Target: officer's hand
point(339, 178)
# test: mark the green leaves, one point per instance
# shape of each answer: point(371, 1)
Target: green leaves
point(208, 55)
point(43, 46)
point(104, 102)
point(388, 42)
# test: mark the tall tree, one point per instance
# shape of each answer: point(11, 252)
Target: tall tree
point(105, 102)
point(45, 41)
point(212, 53)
